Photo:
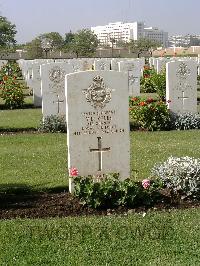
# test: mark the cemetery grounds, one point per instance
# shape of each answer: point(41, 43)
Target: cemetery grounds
point(42, 225)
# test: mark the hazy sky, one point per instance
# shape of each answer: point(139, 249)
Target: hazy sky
point(33, 17)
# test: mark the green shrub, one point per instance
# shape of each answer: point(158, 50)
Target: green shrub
point(146, 83)
point(53, 124)
point(148, 114)
point(11, 69)
point(154, 82)
point(184, 121)
point(181, 175)
point(12, 92)
point(159, 82)
point(110, 192)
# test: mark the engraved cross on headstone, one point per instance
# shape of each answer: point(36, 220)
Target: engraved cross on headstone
point(58, 102)
point(100, 151)
point(132, 79)
point(183, 97)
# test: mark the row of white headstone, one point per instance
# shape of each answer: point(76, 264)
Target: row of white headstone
point(96, 107)
point(97, 118)
point(181, 82)
point(46, 78)
point(159, 63)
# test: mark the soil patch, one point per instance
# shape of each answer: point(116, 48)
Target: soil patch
point(63, 204)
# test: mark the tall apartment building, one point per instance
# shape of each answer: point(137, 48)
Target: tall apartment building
point(125, 32)
point(184, 40)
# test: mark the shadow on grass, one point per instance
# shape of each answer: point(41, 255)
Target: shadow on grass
point(25, 106)
point(17, 130)
point(22, 195)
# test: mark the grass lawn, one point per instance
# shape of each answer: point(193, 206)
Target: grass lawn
point(157, 239)
point(40, 160)
point(20, 119)
point(33, 160)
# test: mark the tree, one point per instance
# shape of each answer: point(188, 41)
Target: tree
point(34, 49)
point(142, 45)
point(44, 43)
point(84, 43)
point(121, 44)
point(54, 39)
point(7, 33)
point(69, 38)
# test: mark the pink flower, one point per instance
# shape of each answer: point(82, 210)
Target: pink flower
point(146, 183)
point(73, 172)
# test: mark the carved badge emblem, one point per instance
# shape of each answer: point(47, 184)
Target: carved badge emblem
point(102, 66)
point(183, 71)
point(98, 94)
point(56, 75)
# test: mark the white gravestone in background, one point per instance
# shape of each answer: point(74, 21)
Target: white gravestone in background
point(87, 64)
point(114, 64)
point(3, 63)
point(181, 86)
point(102, 64)
point(134, 72)
point(98, 123)
point(53, 88)
point(161, 64)
point(36, 85)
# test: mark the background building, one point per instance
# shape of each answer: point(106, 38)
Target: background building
point(120, 31)
point(184, 40)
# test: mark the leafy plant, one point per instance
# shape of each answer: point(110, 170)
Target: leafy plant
point(154, 82)
point(184, 121)
point(181, 175)
point(146, 83)
point(149, 114)
point(10, 69)
point(159, 82)
point(12, 92)
point(111, 192)
point(53, 123)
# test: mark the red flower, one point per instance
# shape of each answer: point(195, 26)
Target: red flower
point(146, 183)
point(73, 172)
point(142, 104)
point(134, 99)
point(146, 67)
point(146, 76)
point(150, 100)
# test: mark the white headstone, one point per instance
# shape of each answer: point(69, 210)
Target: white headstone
point(102, 64)
point(133, 69)
point(181, 86)
point(3, 63)
point(52, 86)
point(161, 64)
point(114, 64)
point(87, 64)
point(36, 85)
point(98, 123)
